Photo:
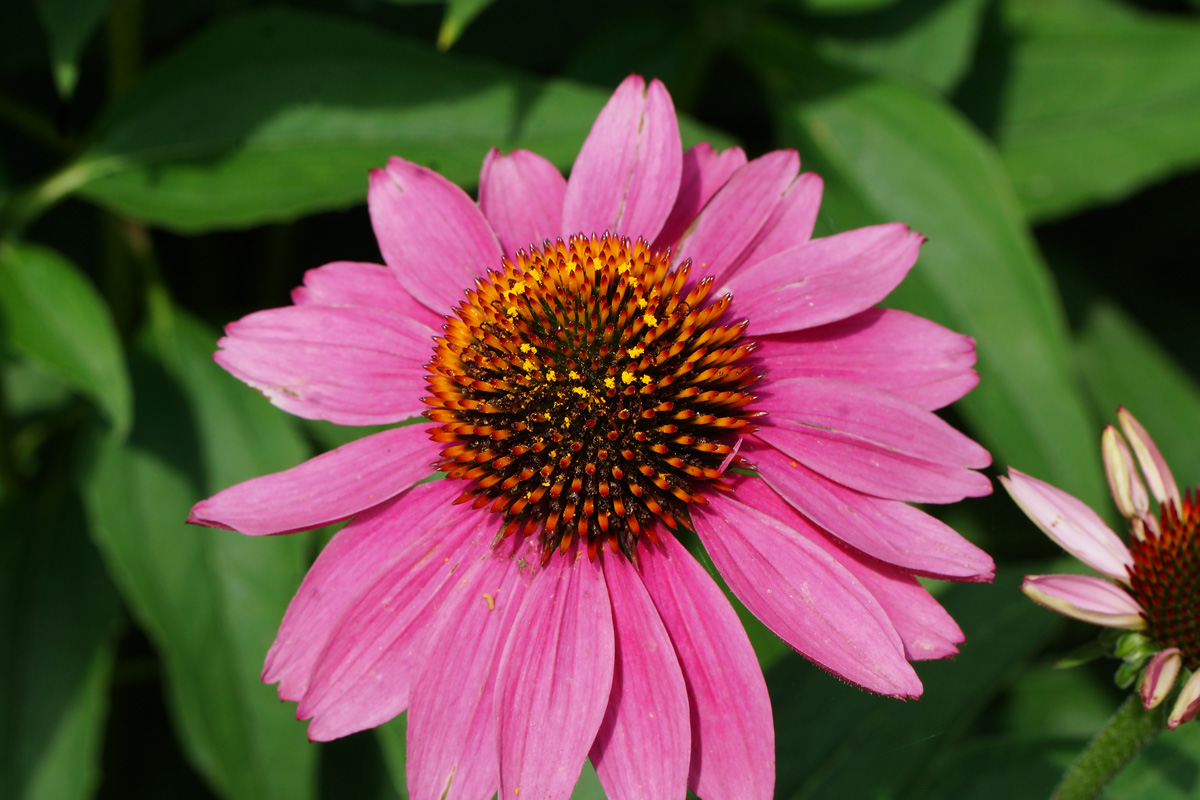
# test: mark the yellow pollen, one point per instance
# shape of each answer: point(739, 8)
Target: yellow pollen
point(650, 320)
point(646, 379)
point(627, 376)
point(519, 287)
point(528, 366)
point(622, 268)
point(573, 375)
point(582, 392)
point(610, 383)
point(511, 311)
point(550, 375)
point(566, 422)
point(635, 352)
point(642, 303)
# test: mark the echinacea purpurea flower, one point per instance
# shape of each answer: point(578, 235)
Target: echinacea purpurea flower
point(652, 346)
point(1151, 585)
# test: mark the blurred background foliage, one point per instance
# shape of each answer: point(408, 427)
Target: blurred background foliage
point(166, 167)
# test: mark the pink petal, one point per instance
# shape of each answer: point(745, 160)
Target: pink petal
point(1154, 466)
point(626, 176)
point(330, 487)
point(352, 366)
point(431, 234)
point(926, 629)
point(1123, 480)
point(1160, 675)
point(363, 675)
point(1071, 524)
point(349, 283)
point(554, 679)
point(808, 599)
point(451, 725)
point(872, 441)
point(736, 213)
point(521, 194)
point(901, 353)
point(733, 736)
point(1187, 705)
point(347, 567)
point(790, 224)
point(824, 280)
point(704, 172)
point(1087, 598)
point(887, 530)
point(644, 743)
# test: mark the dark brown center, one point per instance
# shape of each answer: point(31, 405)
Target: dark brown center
point(585, 392)
point(1165, 579)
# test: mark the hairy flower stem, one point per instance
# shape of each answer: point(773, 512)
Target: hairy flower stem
point(1125, 735)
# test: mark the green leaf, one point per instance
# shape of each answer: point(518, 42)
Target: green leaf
point(1004, 768)
point(59, 617)
point(887, 153)
point(275, 114)
point(878, 747)
point(1089, 102)
point(459, 14)
point(210, 600)
point(1166, 770)
point(53, 315)
point(927, 42)
point(1124, 366)
point(69, 24)
point(392, 736)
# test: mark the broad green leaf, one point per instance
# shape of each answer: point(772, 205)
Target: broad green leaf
point(69, 24)
point(842, 742)
point(211, 600)
point(1124, 366)
point(891, 153)
point(1088, 102)
point(459, 14)
point(59, 618)
point(1166, 770)
point(1065, 703)
point(274, 114)
point(1004, 768)
point(927, 42)
point(52, 315)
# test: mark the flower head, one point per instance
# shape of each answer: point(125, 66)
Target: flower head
point(606, 364)
point(1151, 585)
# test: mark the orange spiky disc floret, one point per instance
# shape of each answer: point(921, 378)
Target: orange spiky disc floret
point(1165, 579)
point(586, 393)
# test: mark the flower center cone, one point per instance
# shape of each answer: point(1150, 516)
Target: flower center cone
point(1165, 579)
point(586, 391)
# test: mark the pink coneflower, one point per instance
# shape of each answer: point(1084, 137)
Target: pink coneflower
point(1152, 585)
point(652, 347)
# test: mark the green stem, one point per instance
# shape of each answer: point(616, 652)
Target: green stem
point(1125, 735)
point(28, 205)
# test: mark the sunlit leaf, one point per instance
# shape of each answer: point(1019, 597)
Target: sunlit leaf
point(1124, 366)
point(53, 315)
point(211, 600)
point(273, 114)
point(59, 617)
point(1088, 101)
point(891, 153)
point(928, 42)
